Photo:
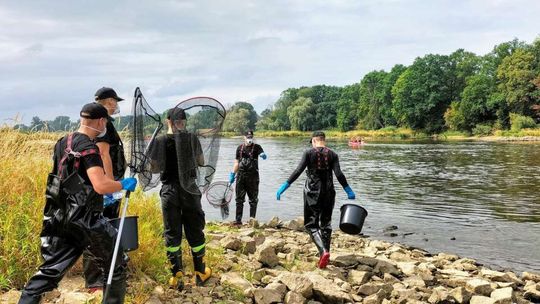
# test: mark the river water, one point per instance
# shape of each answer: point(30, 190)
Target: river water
point(485, 195)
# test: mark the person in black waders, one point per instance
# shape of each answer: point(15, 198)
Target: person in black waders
point(73, 216)
point(180, 197)
point(111, 149)
point(319, 193)
point(246, 165)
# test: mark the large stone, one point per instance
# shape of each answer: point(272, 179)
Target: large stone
point(369, 288)
point(279, 287)
point(495, 275)
point(248, 245)
point(532, 294)
point(274, 222)
point(153, 300)
point(266, 254)
point(386, 267)
point(76, 297)
point(414, 281)
point(266, 296)
point(327, 291)
point(454, 273)
point(9, 297)
point(503, 295)
point(297, 283)
point(481, 300)
point(446, 256)
point(294, 298)
point(359, 277)
point(460, 295)
point(479, 286)
point(408, 268)
point(373, 299)
point(235, 280)
point(231, 242)
point(439, 295)
point(531, 276)
point(293, 225)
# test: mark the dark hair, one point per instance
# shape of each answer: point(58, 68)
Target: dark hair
point(319, 134)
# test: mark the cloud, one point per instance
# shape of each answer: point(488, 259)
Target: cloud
point(54, 55)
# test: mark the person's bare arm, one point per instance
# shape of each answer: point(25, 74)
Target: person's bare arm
point(106, 158)
point(101, 183)
point(235, 166)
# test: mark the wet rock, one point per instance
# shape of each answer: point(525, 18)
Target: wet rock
point(297, 283)
point(390, 228)
point(266, 296)
point(267, 255)
point(235, 280)
point(503, 295)
point(294, 298)
point(482, 300)
point(460, 295)
point(359, 277)
point(479, 286)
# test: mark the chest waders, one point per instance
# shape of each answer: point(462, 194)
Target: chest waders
point(247, 183)
point(73, 223)
point(319, 198)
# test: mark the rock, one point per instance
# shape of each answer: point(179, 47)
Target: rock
point(76, 297)
point(153, 300)
point(344, 260)
point(372, 299)
point(326, 291)
point(531, 276)
point(386, 267)
point(267, 255)
point(439, 295)
point(359, 277)
point(408, 268)
point(495, 275)
point(235, 280)
point(9, 297)
point(503, 295)
point(297, 283)
point(448, 257)
point(414, 281)
point(253, 223)
point(266, 296)
point(481, 300)
point(279, 287)
point(400, 257)
point(293, 225)
point(369, 288)
point(274, 222)
point(248, 245)
point(460, 294)
point(479, 286)
point(258, 274)
point(231, 242)
point(294, 298)
point(390, 228)
point(454, 273)
point(532, 294)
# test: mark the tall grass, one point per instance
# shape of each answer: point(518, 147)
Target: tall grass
point(24, 165)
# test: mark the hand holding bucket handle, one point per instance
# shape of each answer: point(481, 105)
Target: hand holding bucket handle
point(350, 192)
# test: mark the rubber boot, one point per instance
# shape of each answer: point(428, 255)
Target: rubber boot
point(28, 299)
point(324, 255)
point(202, 273)
point(252, 210)
point(177, 270)
point(327, 238)
point(239, 212)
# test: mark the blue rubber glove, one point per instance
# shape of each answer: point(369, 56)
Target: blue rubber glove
point(350, 193)
point(282, 189)
point(263, 155)
point(129, 184)
point(108, 200)
point(232, 175)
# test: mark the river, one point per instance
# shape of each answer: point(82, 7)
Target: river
point(474, 199)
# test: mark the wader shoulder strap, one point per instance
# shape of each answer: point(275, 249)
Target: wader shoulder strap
point(77, 155)
point(322, 156)
point(242, 151)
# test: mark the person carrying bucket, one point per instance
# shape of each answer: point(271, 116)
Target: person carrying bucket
point(73, 218)
point(180, 152)
point(319, 193)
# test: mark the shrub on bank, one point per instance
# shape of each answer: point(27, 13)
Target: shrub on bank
point(482, 130)
point(519, 122)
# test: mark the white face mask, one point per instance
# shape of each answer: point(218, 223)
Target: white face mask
point(101, 134)
point(116, 109)
point(249, 141)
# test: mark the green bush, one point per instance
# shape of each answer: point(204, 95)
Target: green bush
point(518, 122)
point(482, 130)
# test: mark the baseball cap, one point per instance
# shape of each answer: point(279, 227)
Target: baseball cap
point(105, 93)
point(249, 134)
point(176, 114)
point(94, 111)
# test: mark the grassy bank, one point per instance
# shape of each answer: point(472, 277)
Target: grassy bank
point(25, 163)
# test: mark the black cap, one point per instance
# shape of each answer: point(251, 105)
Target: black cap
point(105, 93)
point(318, 134)
point(249, 134)
point(94, 111)
point(176, 114)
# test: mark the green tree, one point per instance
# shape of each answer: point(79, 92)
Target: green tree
point(474, 105)
point(253, 117)
point(372, 100)
point(302, 114)
point(237, 121)
point(389, 81)
point(37, 124)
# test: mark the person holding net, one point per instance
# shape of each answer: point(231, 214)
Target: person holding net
point(111, 149)
point(319, 193)
point(246, 165)
point(179, 154)
point(73, 216)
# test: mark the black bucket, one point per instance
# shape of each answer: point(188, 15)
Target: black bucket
point(130, 233)
point(352, 218)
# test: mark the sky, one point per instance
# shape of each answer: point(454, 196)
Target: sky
point(54, 55)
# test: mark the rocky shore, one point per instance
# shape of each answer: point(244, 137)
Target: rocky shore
point(274, 262)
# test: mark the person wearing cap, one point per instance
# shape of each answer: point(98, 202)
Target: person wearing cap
point(73, 216)
point(246, 173)
point(319, 193)
point(112, 153)
point(180, 197)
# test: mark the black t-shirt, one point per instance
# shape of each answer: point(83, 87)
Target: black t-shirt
point(116, 149)
point(80, 142)
point(167, 147)
point(248, 157)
